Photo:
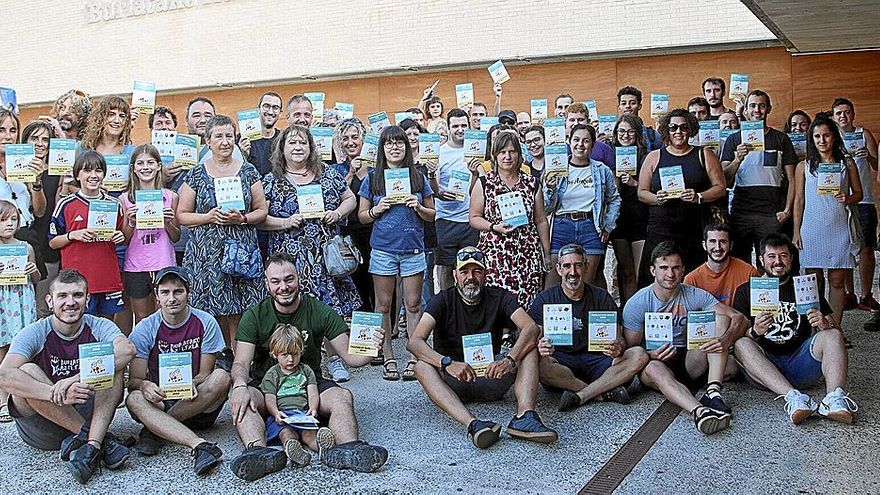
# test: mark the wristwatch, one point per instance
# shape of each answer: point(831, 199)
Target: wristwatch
point(445, 362)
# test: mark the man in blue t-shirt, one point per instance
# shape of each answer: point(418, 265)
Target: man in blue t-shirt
point(583, 374)
point(673, 368)
point(52, 408)
point(177, 328)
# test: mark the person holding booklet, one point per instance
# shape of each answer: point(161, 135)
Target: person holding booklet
point(793, 347)
point(398, 201)
point(221, 201)
point(584, 203)
point(721, 274)
point(576, 114)
point(628, 238)
point(431, 105)
point(18, 276)
point(151, 226)
point(762, 179)
point(173, 385)
point(316, 321)
point(665, 317)
point(465, 364)
point(290, 391)
point(826, 185)
point(714, 91)
point(862, 147)
point(29, 197)
point(675, 182)
point(507, 207)
point(629, 102)
point(534, 141)
point(108, 128)
point(582, 349)
point(306, 202)
point(86, 227)
point(57, 402)
point(259, 152)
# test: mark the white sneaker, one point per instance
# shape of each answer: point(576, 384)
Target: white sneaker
point(799, 406)
point(838, 406)
point(337, 368)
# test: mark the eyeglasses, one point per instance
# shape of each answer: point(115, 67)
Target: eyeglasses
point(626, 132)
point(395, 144)
point(475, 255)
point(675, 127)
point(274, 108)
point(534, 142)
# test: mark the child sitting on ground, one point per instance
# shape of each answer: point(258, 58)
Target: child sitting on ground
point(291, 390)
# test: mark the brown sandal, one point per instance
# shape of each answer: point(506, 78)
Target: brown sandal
point(391, 374)
point(409, 373)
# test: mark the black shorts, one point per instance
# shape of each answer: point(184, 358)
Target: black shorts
point(325, 384)
point(452, 236)
point(679, 369)
point(41, 433)
point(138, 284)
point(482, 389)
point(200, 421)
point(586, 366)
point(868, 222)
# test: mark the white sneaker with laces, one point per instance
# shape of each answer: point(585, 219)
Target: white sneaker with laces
point(337, 368)
point(838, 406)
point(799, 406)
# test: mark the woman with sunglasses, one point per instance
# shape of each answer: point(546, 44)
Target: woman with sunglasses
point(677, 216)
point(516, 256)
point(398, 238)
point(628, 238)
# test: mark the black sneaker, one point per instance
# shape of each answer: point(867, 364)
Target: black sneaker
point(529, 427)
point(113, 453)
point(569, 401)
point(357, 455)
point(716, 403)
point(84, 462)
point(148, 443)
point(205, 456)
point(73, 442)
point(710, 421)
point(484, 434)
point(617, 394)
point(224, 360)
point(873, 324)
point(256, 462)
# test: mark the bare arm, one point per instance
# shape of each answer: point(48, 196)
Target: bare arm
point(206, 367)
point(340, 345)
point(314, 397)
point(716, 175)
point(644, 192)
point(477, 210)
point(271, 401)
point(259, 208)
point(186, 209)
point(244, 356)
point(123, 352)
point(789, 194)
point(418, 342)
point(541, 223)
point(19, 383)
point(348, 204)
point(528, 337)
point(798, 208)
point(171, 227)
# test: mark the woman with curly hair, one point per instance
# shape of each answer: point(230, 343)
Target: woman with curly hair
point(108, 128)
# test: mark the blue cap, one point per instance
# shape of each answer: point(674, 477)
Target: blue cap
point(173, 271)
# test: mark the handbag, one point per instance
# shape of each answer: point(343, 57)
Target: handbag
point(341, 256)
point(856, 236)
point(241, 259)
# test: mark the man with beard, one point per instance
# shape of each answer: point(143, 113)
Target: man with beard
point(794, 348)
point(470, 309)
point(720, 275)
point(673, 369)
point(69, 114)
point(316, 321)
point(714, 91)
point(52, 408)
point(177, 328)
point(584, 375)
point(259, 151)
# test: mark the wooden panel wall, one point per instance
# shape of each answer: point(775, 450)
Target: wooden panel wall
point(807, 82)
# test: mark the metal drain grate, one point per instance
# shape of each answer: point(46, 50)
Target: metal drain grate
point(630, 453)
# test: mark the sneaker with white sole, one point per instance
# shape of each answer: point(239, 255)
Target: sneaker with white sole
point(710, 421)
point(799, 406)
point(298, 456)
point(336, 367)
point(325, 441)
point(838, 406)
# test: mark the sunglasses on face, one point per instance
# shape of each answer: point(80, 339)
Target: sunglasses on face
point(675, 127)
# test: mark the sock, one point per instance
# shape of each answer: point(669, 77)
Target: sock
point(713, 391)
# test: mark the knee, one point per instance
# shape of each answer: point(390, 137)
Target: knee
point(655, 372)
point(414, 304)
point(546, 365)
point(744, 346)
point(831, 337)
point(216, 384)
point(423, 370)
point(134, 400)
point(341, 398)
point(636, 359)
point(836, 280)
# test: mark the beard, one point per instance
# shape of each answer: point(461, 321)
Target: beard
point(294, 296)
point(470, 290)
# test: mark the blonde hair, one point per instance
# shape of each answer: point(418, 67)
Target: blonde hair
point(7, 209)
point(286, 339)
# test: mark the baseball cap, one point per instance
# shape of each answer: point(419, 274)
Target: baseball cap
point(468, 255)
point(172, 271)
point(507, 115)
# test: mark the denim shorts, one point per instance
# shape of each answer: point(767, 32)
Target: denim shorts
point(800, 367)
point(388, 264)
point(583, 232)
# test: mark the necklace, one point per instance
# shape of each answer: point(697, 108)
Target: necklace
point(298, 174)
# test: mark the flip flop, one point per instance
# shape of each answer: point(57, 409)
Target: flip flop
point(409, 373)
point(389, 374)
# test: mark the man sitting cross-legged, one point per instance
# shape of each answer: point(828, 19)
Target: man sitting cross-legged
point(584, 375)
point(52, 408)
point(177, 328)
point(781, 352)
point(469, 309)
point(673, 369)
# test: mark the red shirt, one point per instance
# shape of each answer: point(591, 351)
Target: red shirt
point(97, 261)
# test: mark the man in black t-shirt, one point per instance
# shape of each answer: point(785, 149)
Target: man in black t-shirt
point(762, 181)
point(781, 353)
point(584, 375)
point(468, 321)
point(259, 151)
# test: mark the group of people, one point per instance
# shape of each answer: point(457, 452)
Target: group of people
point(476, 249)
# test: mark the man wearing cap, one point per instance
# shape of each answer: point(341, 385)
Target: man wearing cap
point(507, 117)
point(177, 328)
point(471, 311)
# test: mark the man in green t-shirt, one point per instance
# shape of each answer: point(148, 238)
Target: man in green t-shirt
point(316, 321)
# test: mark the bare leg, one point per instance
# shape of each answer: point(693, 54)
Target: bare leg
point(637, 248)
point(383, 287)
point(160, 422)
point(526, 385)
point(553, 277)
point(211, 395)
point(4, 397)
point(626, 270)
point(828, 347)
point(229, 327)
point(142, 307)
point(441, 395)
point(592, 269)
point(309, 438)
point(64, 416)
point(620, 373)
point(125, 319)
point(105, 408)
point(412, 299)
point(444, 276)
point(338, 404)
point(657, 376)
point(867, 263)
point(252, 429)
point(835, 293)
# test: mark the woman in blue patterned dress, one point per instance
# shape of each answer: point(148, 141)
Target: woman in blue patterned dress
point(296, 163)
point(222, 295)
